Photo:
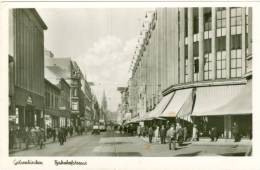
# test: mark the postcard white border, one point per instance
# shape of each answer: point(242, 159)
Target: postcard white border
point(185, 163)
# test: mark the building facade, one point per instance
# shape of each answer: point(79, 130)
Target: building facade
point(80, 90)
point(52, 99)
point(203, 58)
point(26, 47)
point(123, 107)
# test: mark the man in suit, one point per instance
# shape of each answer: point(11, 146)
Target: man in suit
point(150, 134)
point(163, 134)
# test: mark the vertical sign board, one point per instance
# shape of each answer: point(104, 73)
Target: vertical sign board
point(16, 115)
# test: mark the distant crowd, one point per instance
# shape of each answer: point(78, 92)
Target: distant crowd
point(175, 132)
point(22, 138)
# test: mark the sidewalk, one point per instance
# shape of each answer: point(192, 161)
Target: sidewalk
point(207, 142)
point(222, 142)
point(48, 141)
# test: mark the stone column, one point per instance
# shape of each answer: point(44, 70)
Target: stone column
point(228, 43)
point(190, 45)
point(213, 43)
point(243, 41)
point(182, 45)
point(201, 44)
point(250, 30)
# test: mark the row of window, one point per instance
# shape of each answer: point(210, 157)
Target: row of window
point(236, 43)
point(236, 65)
point(51, 100)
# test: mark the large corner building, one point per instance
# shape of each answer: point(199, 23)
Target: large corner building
point(195, 64)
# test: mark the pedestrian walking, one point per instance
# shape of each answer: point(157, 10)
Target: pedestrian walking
point(195, 133)
point(150, 134)
point(60, 136)
point(27, 137)
point(11, 138)
point(71, 130)
point(185, 133)
point(163, 134)
point(236, 132)
point(157, 134)
point(40, 137)
point(171, 135)
point(138, 130)
point(33, 135)
point(19, 137)
point(64, 134)
point(178, 130)
point(54, 134)
point(213, 134)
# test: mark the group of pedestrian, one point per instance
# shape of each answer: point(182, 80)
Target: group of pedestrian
point(27, 135)
point(169, 133)
point(127, 129)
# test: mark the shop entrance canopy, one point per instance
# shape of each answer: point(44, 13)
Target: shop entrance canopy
point(161, 106)
point(175, 105)
point(241, 104)
point(217, 100)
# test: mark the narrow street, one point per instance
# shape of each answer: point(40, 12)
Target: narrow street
point(111, 143)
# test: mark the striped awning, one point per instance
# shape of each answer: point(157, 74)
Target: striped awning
point(218, 100)
point(176, 103)
point(161, 106)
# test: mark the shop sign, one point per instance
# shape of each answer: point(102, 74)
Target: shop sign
point(29, 100)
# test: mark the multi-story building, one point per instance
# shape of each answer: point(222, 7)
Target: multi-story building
point(80, 90)
point(26, 48)
point(52, 98)
point(87, 111)
point(57, 100)
point(123, 107)
point(96, 110)
point(64, 103)
point(196, 63)
point(68, 70)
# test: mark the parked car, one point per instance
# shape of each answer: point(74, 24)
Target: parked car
point(95, 130)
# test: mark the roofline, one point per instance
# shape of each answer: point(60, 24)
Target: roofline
point(62, 79)
point(36, 14)
point(53, 85)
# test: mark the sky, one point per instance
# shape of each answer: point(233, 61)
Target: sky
point(102, 41)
